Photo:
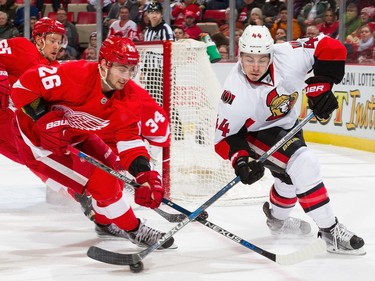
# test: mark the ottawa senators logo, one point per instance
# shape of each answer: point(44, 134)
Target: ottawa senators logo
point(280, 105)
point(227, 97)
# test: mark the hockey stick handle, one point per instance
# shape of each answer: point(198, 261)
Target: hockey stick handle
point(132, 259)
point(287, 137)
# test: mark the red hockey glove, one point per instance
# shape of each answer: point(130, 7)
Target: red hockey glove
point(151, 191)
point(248, 172)
point(320, 97)
point(53, 132)
point(4, 89)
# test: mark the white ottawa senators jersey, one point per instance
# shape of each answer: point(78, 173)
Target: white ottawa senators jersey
point(270, 102)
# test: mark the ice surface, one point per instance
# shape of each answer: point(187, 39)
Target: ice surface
point(42, 241)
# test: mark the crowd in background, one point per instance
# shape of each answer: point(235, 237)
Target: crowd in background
point(131, 19)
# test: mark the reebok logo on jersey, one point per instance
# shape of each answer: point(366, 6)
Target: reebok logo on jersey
point(56, 123)
point(227, 97)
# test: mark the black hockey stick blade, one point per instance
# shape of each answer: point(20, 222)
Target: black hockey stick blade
point(109, 257)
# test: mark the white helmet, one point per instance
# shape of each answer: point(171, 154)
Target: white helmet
point(256, 39)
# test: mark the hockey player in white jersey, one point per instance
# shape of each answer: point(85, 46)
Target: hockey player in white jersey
point(257, 109)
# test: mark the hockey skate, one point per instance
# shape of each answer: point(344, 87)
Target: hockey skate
point(146, 236)
point(339, 240)
point(111, 231)
point(290, 226)
point(86, 204)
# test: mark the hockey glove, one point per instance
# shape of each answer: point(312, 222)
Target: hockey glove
point(4, 89)
point(248, 172)
point(53, 132)
point(151, 191)
point(320, 97)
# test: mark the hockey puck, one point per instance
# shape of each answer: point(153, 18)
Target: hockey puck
point(135, 268)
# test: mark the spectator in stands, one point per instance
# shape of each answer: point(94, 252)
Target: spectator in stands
point(7, 29)
point(330, 25)
point(312, 31)
point(142, 25)
point(124, 26)
point(281, 22)
point(71, 33)
point(280, 35)
point(91, 6)
point(245, 10)
point(179, 10)
point(352, 21)
point(179, 33)
point(312, 13)
point(366, 45)
point(224, 52)
point(191, 29)
point(33, 20)
point(9, 7)
point(93, 43)
point(55, 5)
point(256, 17)
point(219, 39)
point(224, 28)
point(237, 34)
point(19, 17)
point(91, 54)
point(113, 15)
point(63, 55)
point(270, 11)
point(367, 17)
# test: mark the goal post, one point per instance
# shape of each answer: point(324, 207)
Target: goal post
point(180, 77)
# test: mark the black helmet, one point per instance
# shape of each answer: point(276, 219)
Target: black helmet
point(155, 6)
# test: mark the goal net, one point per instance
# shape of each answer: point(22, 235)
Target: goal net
point(180, 77)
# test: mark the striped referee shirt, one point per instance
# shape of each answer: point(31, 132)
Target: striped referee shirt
point(160, 32)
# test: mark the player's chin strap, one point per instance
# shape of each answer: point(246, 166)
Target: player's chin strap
point(104, 78)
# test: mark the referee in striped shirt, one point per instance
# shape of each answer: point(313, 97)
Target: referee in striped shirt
point(158, 28)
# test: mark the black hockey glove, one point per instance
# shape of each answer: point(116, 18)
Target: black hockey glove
point(248, 172)
point(320, 97)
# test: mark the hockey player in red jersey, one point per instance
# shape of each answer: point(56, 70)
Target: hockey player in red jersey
point(57, 107)
point(16, 56)
point(257, 109)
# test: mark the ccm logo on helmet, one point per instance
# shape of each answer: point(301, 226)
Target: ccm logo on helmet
point(56, 123)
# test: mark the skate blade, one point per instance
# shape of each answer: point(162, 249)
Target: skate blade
point(290, 235)
point(357, 252)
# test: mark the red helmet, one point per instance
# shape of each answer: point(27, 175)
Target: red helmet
point(46, 25)
point(119, 49)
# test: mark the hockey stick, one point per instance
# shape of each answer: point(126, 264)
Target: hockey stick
point(128, 182)
point(283, 259)
point(135, 260)
point(300, 255)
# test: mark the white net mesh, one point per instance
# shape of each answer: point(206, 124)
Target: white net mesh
point(196, 171)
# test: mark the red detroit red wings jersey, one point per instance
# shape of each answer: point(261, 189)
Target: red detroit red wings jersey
point(75, 87)
point(19, 54)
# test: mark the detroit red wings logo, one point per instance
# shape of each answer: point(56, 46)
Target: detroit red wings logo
point(227, 97)
point(280, 105)
point(81, 120)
